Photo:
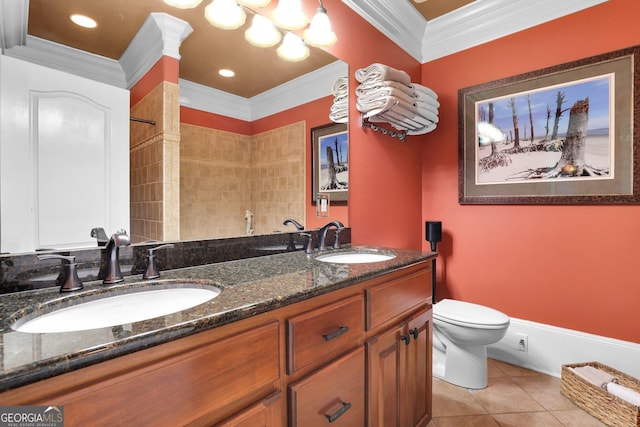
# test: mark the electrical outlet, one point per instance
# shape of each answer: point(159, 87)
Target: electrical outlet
point(522, 341)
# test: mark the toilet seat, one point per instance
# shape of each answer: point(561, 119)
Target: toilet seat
point(469, 315)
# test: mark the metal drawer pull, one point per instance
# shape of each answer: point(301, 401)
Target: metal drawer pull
point(415, 332)
point(341, 411)
point(406, 338)
point(341, 330)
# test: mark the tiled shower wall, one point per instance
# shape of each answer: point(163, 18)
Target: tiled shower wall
point(225, 174)
point(214, 182)
point(155, 166)
point(278, 177)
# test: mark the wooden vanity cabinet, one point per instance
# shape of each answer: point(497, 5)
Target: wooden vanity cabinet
point(399, 356)
point(399, 374)
point(336, 359)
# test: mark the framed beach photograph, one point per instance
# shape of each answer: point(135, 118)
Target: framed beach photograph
point(330, 162)
point(567, 134)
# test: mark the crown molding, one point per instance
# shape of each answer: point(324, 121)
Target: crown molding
point(14, 16)
point(486, 20)
point(205, 98)
point(307, 88)
point(398, 20)
point(160, 35)
point(70, 60)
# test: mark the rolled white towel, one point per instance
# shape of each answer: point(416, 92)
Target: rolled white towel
point(624, 393)
point(406, 125)
point(595, 376)
point(340, 86)
point(423, 91)
point(381, 72)
point(339, 116)
point(423, 130)
point(343, 105)
point(398, 108)
point(372, 85)
point(385, 91)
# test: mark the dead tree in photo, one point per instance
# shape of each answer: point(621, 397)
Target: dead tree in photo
point(559, 111)
point(530, 118)
point(338, 153)
point(332, 176)
point(546, 126)
point(572, 162)
point(496, 158)
point(516, 131)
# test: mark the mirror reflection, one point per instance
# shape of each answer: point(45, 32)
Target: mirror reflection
point(229, 158)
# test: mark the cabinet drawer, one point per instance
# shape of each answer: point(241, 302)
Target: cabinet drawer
point(389, 300)
point(321, 334)
point(333, 395)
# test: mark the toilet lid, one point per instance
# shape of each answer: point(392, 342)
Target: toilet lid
point(469, 314)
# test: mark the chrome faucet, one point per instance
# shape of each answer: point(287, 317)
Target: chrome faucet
point(322, 245)
point(295, 223)
point(113, 273)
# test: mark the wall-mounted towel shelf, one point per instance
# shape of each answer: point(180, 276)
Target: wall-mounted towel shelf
point(401, 135)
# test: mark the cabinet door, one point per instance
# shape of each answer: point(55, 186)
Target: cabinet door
point(386, 366)
point(418, 390)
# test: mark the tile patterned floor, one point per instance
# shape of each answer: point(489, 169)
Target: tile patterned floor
point(515, 397)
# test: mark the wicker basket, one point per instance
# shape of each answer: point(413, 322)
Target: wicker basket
point(608, 408)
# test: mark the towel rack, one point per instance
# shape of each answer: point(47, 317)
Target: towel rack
point(401, 135)
point(146, 121)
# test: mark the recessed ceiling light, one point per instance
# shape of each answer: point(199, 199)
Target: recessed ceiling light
point(83, 21)
point(226, 72)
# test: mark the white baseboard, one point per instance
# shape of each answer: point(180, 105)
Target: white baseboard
point(550, 347)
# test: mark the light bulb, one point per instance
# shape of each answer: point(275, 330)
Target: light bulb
point(292, 48)
point(262, 32)
point(225, 14)
point(183, 4)
point(319, 32)
point(288, 14)
point(255, 3)
point(83, 21)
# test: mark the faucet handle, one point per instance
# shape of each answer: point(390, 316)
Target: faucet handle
point(72, 281)
point(308, 247)
point(152, 271)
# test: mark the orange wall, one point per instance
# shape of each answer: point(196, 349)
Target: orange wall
point(571, 266)
point(165, 70)
point(384, 173)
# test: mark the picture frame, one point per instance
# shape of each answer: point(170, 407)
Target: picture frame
point(333, 139)
point(585, 141)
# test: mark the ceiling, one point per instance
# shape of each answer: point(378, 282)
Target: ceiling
point(203, 53)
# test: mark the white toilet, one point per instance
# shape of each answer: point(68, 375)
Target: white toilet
point(461, 333)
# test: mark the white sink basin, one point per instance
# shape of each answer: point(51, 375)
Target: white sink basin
point(118, 310)
point(355, 257)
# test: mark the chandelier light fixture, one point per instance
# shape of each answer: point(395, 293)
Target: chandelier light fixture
point(255, 3)
point(183, 4)
point(262, 32)
point(225, 14)
point(287, 15)
point(293, 48)
point(319, 32)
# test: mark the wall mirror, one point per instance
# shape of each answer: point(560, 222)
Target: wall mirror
point(206, 50)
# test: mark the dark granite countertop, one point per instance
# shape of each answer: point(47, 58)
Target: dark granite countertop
point(249, 287)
